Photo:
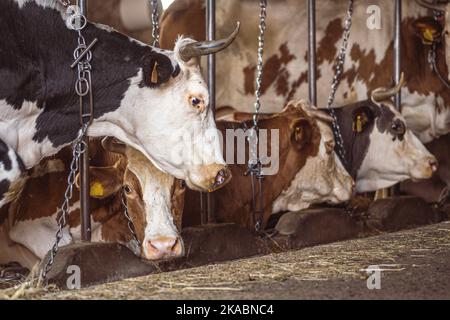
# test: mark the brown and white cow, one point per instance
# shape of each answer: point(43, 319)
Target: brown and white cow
point(154, 200)
point(380, 149)
point(309, 171)
point(426, 100)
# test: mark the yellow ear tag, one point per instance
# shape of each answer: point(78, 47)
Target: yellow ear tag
point(154, 78)
point(357, 125)
point(96, 190)
point(428, 36)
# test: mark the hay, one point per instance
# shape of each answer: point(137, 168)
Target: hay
point(344, 260)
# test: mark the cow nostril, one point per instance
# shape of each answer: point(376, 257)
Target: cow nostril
point(220, 178)
point(164, 245)
point(434, 165)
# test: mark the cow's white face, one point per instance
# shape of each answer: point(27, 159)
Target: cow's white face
point(394, 154)
point(148, 194)
point(172, 123)
point(322, 179)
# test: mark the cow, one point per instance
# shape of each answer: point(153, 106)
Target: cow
point(12, 173)
point(369, 61)
point(379, 148)
point(433, 190)
point(144, 96)
point(309, 171)
point(154, 200)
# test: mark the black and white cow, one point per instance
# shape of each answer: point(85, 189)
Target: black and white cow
point(153, 100)
point(11, 173)
point(380, 150)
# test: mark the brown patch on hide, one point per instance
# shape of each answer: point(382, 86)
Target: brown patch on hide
point(274, 72)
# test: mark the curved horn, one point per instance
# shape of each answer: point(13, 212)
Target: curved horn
point(426, 4)
point(382, 94)
point(201, 48)
point(110, 144)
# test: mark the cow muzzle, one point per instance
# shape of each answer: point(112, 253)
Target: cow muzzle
point(163, 248)
point(209, 178)
point(425, 169)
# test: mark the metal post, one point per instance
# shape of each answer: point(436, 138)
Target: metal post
point(84, 171)
point(312, 60)
point(211, 79)
point(398, 50)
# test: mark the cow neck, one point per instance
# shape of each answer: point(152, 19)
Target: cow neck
point(235, 203)
point(38, 59)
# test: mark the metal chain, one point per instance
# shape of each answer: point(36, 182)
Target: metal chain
point(78, 149)
point(127, 216)
point(254, 163)
point(259, 73)
point(82, 56)
point(155, 23)
point(434, 67)
point(340, 61)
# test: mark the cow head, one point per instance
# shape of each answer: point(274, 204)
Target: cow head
point(322, 177)
point(428, 112)
point(152, 197)
point(444, 8)
point(384, 151)
point(178, 132)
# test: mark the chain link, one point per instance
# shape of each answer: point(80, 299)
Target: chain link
point(259, 74)
point(129, 220)
point(82, 56)
point(340, 61)
point(254, 164)
point(155, 23)
point(78, 149)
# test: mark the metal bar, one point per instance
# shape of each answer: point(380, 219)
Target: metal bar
point(312, 60)
point(84, 171)
point(211, 79)
point(398, 49)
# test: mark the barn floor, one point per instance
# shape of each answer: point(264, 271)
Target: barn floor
point(416, 264)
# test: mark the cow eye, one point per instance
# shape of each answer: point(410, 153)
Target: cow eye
point(398, 128)
point(127, 189)
point(195, 101)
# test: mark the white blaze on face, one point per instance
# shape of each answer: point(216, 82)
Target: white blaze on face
point(322, 179)
point(388, 162)
point(156, 189)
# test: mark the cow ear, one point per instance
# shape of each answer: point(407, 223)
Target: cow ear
point(301, 134)
point(428, 30)
point(157, 69)
point(362, 118)
point(104, 181)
